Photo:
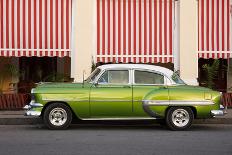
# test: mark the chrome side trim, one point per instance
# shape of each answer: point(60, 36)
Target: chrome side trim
point(64, 100)
point(150, 112)
point(111, 100)
point(134, 118)
point(137, 100)
point(36, 105)
point(175, 102)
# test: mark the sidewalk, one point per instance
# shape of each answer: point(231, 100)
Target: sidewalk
point(18, 118)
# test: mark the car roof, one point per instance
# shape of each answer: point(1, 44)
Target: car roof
point(163, 70)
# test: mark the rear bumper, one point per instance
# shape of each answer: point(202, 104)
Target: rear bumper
point(219, 112)
point(29, 109)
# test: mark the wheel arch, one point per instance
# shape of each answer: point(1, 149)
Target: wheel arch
point(65, 103)
point(194, 110)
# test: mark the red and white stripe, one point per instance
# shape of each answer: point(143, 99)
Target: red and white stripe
point(138, 31)
point(35, 28)
point(214, 29)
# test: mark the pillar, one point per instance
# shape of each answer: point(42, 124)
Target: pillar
point(188, 41)
point(82, 38)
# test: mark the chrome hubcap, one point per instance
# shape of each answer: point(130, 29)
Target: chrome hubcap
point(58, 116)
point(180, 117)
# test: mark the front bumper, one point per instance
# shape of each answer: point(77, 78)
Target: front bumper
point(30, 109)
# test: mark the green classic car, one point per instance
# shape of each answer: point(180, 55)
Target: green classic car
point(125, 91)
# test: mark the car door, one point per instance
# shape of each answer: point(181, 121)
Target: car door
point(111, 96)
point(144, 82)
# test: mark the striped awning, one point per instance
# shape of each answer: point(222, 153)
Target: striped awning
point(35, 28)
point(138, 31)
point(214, 29)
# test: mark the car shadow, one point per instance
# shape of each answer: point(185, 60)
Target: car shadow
point(134, 126)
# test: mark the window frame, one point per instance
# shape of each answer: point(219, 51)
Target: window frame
point(167, 81)
point(119, 69)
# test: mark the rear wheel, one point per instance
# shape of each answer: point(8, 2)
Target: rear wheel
point(57, 116)
point(179, 118)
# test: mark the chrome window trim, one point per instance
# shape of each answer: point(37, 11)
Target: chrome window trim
point(166, 79)
point(118, 69)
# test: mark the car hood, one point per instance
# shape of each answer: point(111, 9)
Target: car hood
point(57, 88)
point(60, 85)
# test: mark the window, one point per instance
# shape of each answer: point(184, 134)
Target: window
point(93, 75)
point(115, 77)
point(177, 79)
point(144, 77)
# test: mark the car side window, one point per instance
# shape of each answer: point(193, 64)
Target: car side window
point(145, 77)
point(115, 77)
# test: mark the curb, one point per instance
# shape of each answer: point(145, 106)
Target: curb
point(35, 121)
point(214, 121)
point(20, 121)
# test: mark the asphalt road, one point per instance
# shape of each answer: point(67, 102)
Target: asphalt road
point(116, 139)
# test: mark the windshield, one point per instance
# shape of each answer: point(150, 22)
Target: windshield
point(177, 79)
point(93, 75)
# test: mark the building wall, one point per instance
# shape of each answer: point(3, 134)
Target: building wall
point(84, 39)
point(46, 37)
point(188, 41)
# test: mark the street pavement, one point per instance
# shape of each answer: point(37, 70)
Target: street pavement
point(18, 118)
point(210, 139)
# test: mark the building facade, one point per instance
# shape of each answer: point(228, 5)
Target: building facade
point(70, 36)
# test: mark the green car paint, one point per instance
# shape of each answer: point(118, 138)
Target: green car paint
point(140, 92)
point(187, 93)
point(106, 101)
point(92, 100)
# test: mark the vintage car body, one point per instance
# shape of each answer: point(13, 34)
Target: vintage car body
point(125, 91)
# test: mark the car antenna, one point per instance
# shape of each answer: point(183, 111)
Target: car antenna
point(83, 80)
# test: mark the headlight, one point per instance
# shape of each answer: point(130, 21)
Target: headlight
point(32, 91)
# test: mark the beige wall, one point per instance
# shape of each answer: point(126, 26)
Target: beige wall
point(82, 38)
point(188, 41)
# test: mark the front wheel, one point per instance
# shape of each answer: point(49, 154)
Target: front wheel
point(57, 116)
point(179, 118)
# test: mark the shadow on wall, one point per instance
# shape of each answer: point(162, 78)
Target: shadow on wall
point(213, 73)
point(9, 76)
